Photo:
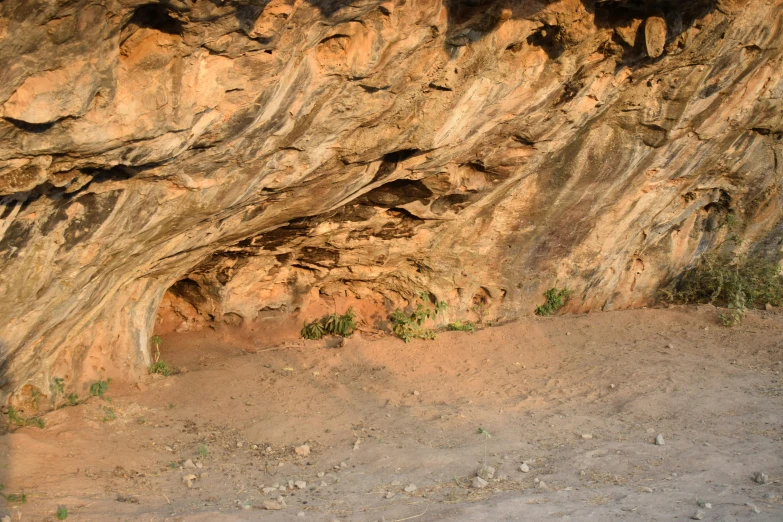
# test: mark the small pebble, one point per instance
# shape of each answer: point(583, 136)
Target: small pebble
point(300, 484)
point(410, 488)
point(321, 474)
point(760, 478)
point(240, 444)
point(524, 468)
point(204, 475)
point(659, 440)
point(343, 465)
point(416, 392)
point(300, 514)
point(267, 491)
point(199, 465)
point(322, 484)
point(753, 507)
point(542, 485)
point(699, 515)
point(189, 464)
point(396, 483)
point(390, 494)
point(303, 450)
point(587, 436)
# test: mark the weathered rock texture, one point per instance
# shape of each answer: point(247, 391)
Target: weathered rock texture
point(267, 155)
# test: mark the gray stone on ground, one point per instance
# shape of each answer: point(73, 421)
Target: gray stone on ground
point(760, 478)
point(479, 483)
point(659, 440)
point(524, 468)
point(410, 488)
point(699, 515)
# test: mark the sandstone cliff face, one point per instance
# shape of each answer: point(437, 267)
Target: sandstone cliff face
point(267, 156)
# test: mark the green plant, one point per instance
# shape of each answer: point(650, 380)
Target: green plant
point(73, 399)
point(16, 418)
point(736, 282)
point(459, 326)
point(487, 436)
point(158, 366)
point(409, 326)
point(203, 450)
point(62, 512)
point(14, 498)
point(333, 324)
point(57, 388)
point(555, 300)
point(98, 389)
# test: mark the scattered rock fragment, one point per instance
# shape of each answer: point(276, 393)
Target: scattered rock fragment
point(300, 484)
point(542, 485)
point(699, 515)
point(659, 440)
point(390, 494)
point(267, 491)
point(524, 468)
point(760, 478)
point(189, 464)
point(753, 507)
point(587, 436)
point(303, 450)
point(479, 483)
point(272, 505)
point(323, 484)
point(410, 488)
point(321, 474)
point(188, 480)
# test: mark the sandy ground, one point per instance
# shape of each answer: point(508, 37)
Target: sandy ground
point(579, 399)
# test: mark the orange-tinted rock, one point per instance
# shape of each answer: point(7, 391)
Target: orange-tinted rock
point(302, 157)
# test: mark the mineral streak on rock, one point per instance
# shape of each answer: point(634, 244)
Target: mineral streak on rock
point(259, 157)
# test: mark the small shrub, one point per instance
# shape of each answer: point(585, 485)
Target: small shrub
point(342, 325)
point(13, 498)
point(62, 513)
point(98, 389)
point(73, 399)
point(203, 450)
point(158, 366)
point(16, 418)
point(408, 326)
point(459, 326)
point(735, 282)
point(555, 300)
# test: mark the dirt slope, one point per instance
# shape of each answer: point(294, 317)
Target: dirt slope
point(536, 385)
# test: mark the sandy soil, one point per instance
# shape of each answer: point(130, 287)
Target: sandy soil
point(580, 399)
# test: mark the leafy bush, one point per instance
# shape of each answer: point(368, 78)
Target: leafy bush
point(342, 325)
point(14, 417)
point(158, 366)
point(720, 278)
point(459, 326)
point(408, 326)
point(735, 282)
point(555, 300)
point(98, 389)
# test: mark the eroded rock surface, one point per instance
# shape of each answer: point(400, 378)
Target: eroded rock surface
point(264, 156)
